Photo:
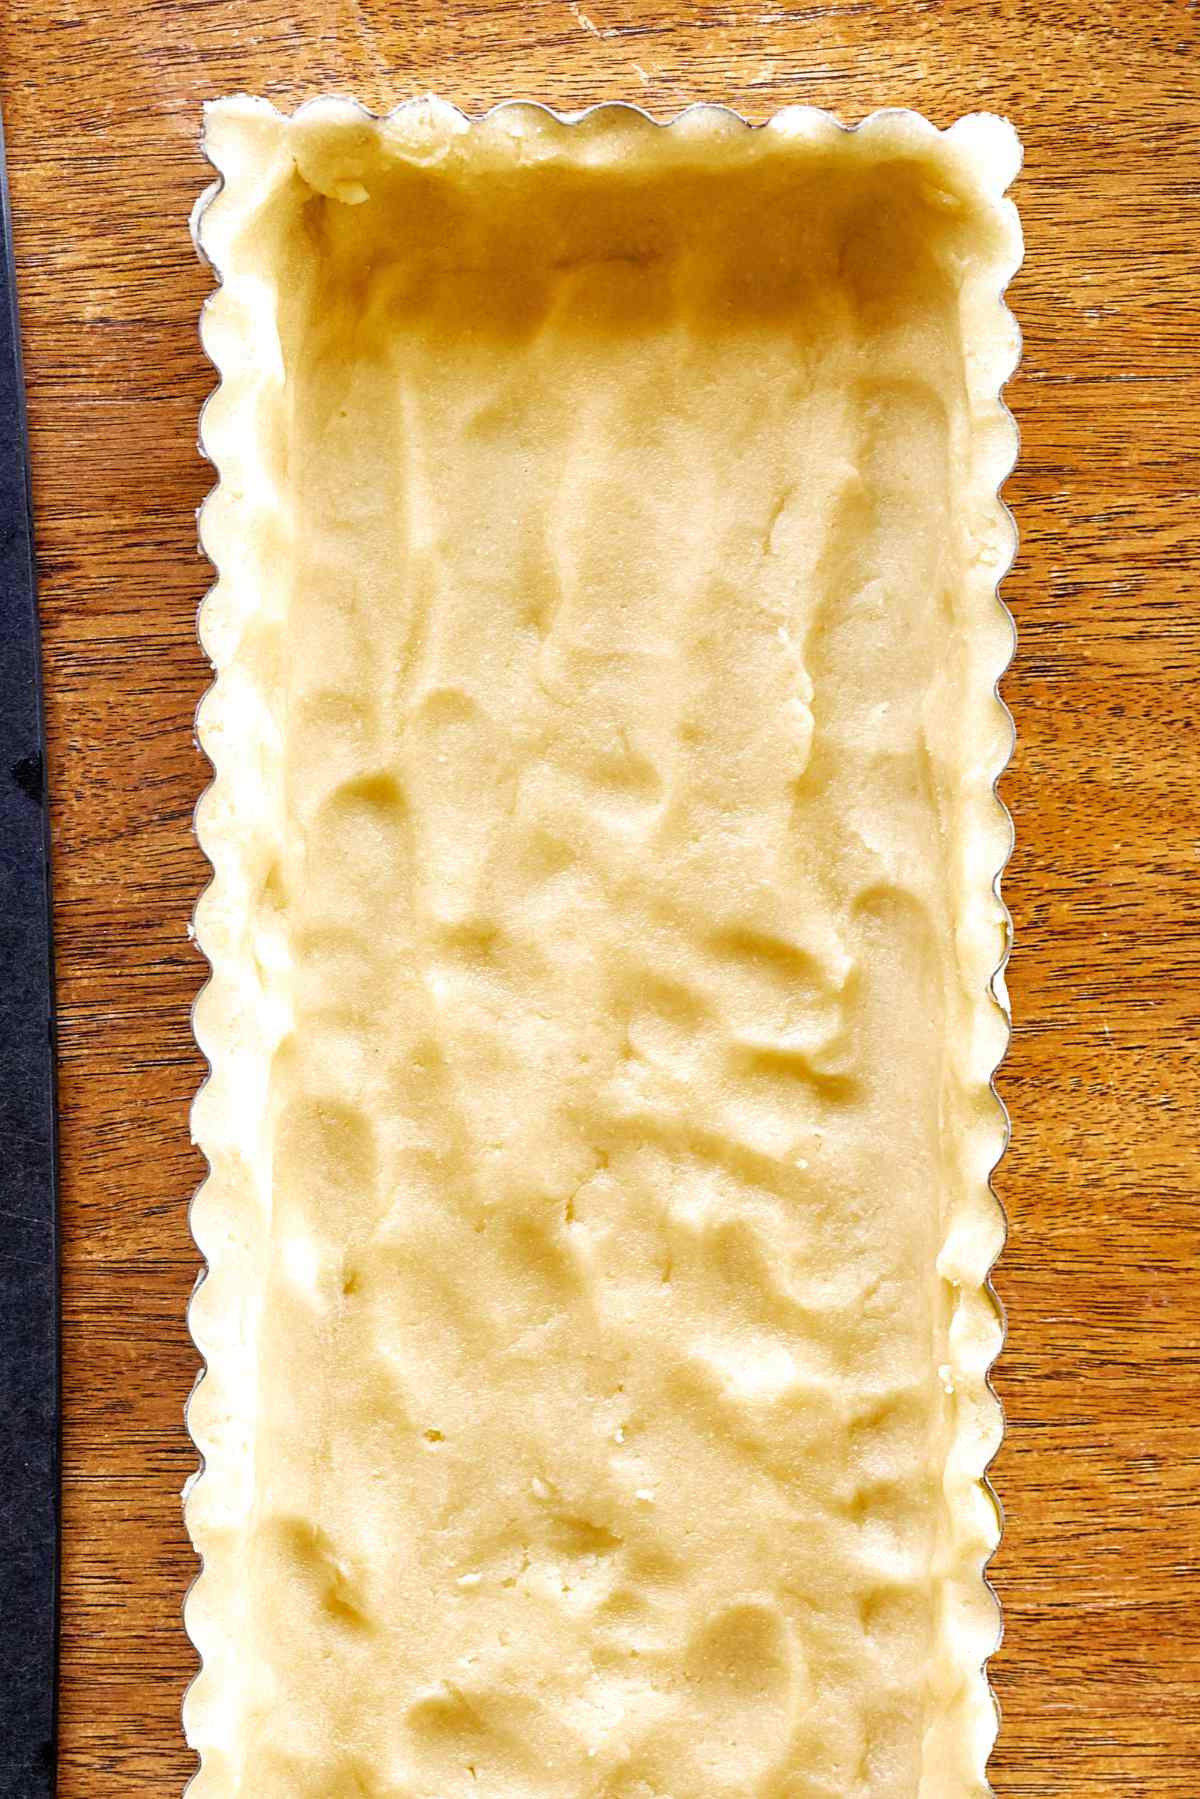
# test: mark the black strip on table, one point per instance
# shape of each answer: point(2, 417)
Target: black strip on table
point(29, 1367)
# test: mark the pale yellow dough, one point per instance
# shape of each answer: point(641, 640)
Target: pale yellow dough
point(601, 928)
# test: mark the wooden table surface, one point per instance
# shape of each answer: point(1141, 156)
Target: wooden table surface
point(1099, 1676)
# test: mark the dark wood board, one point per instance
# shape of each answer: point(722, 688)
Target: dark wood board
point(1099, 1676)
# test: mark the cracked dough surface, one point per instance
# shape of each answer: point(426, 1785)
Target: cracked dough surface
point(601, 929)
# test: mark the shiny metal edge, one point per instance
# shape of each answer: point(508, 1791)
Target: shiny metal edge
point(997, 990)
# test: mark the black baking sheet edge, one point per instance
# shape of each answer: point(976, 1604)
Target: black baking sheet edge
point(29, 1356)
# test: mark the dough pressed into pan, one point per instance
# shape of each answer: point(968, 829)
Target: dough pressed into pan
point(602, 928)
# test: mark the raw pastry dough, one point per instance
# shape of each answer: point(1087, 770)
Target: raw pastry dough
point(601, 928)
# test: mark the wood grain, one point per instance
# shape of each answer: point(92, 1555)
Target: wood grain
point(1099, 1676)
